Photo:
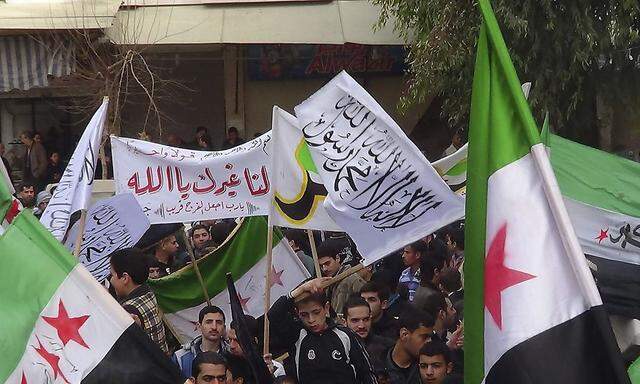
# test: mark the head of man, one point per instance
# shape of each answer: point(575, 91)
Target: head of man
point(435, 362)
point(168, 245)
point(329, 258)
point(174, 140)
point(201, 131)
point(455, 239)
point(232, 134)
point(129, 270)
point(358, 316)
point(376, 295)
point(416, 328)
point(26, 194)
point(54, 158)
point(430, 268)
point(43, 200)
point(441, 309)
point(26, 137)
point(239, 369)
point(155, 269)
point(211, 322)
point(210, 367)
point(313, 312)
point(413, 253)
point(232, 335)
point(200, 236)
point(450, 280)
point(458, 138)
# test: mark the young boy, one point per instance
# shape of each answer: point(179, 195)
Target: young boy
point(323, 352)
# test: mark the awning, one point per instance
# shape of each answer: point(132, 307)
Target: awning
point(57, 14)
point(26, 62)
point(335, 22)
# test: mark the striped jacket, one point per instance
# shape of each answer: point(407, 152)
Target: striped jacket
point(142, 303)
point(333, 356)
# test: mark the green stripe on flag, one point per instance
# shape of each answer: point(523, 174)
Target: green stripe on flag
point(502, 130)
point(458, 169)
point(182, 289)
point(596, 177)
point(33, 264)
point(634, 372)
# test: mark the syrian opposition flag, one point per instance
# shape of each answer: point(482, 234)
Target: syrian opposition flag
point(299, 191)
point(73, 192)
point(532, 310)
point(59, 325)
point(180, 295)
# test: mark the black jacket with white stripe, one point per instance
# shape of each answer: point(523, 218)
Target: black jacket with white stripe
point(333, 356)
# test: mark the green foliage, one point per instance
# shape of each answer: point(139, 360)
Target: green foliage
point(571, 50)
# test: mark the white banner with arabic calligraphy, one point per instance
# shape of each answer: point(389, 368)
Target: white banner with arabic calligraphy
point(180, 185)
point(381, 189)
point(73, 192)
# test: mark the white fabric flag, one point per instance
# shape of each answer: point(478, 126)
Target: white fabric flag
point(382, 190)
point(299, 191)
point(112, 224)
point(73, 192)
point(178, 185)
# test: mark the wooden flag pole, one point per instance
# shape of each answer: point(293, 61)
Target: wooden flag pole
point(267, 287)
point(80, 234)
point(336, 279)
point(314, 252)
point(197, 270)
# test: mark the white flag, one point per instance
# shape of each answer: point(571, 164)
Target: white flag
point(298, 189)
point(382, 190)
point(73, 192)
point(112, 224)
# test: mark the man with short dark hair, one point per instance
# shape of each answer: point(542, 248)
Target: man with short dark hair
point(320, 351)
point(210, 367)
point(429, 278)
point(233, 139)
point(358, 318)
point(442, 310)
point(27, 194)
point(35, 160)
point(129, 273)
point(211, 324)
point(416, 328)
point(376, 294)
point(331, 265)
point(435, 362)
point(411, 257)
point(201, 239)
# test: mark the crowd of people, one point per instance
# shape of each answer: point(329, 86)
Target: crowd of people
point(397, 321)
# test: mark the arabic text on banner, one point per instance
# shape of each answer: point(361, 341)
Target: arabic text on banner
point(180, 185)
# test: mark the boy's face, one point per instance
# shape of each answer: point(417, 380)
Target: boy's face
point(313, 315)
point(329, 265)
point(213, 373)
point(433, 369)
point(359, 320)
point(413, 341)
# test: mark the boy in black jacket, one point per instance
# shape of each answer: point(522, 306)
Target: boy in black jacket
point(322, 351)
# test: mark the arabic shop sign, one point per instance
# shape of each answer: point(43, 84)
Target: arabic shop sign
point(287, 61)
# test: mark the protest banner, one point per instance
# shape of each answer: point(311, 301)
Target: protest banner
point(179, 185)
point(111, 224)
point(381, 189)
point(73, 192)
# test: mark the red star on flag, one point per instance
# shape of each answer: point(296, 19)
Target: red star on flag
point(51, 359)
point(24, 379)
point(68, 328)
point(497, 277)
point(243, 302)
point(603, 235)
point(13, 211)
point(276, 277)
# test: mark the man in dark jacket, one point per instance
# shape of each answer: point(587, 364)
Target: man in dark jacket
point(358, 317)
point(416, 328)
point(322, 351)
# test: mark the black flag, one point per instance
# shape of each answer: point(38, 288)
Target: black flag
point(254, 359)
